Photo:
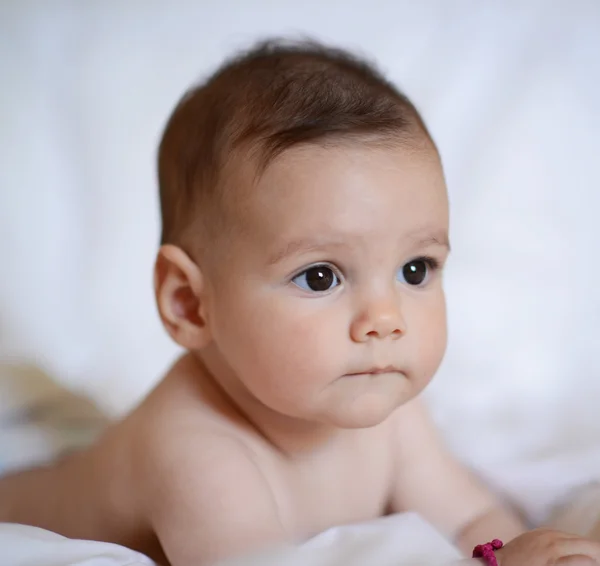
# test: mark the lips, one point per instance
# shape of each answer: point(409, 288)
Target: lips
point(376, 371)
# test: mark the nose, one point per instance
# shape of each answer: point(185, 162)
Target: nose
point(381, 319)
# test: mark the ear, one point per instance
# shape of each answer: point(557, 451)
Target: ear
point(180, 292)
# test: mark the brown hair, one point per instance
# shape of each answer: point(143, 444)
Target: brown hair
point(262, 102)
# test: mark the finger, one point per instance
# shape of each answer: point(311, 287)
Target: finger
point(576, 560)
point(583, 547)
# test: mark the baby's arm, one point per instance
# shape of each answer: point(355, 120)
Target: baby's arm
point(210, 501)
point(61, 497)
point(433, 483)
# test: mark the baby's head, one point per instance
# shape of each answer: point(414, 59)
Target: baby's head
point(305, 225)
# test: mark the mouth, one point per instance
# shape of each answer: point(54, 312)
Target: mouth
point(376, 371)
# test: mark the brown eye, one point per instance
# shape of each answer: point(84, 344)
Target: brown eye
point(319, 279)
point(415, 272)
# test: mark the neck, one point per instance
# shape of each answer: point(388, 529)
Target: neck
point(289, 435)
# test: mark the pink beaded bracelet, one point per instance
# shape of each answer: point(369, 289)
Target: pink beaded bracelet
point(487, 552)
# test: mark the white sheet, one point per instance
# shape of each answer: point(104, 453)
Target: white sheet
point(29, 546)
point(402, 540)
point(399, 540)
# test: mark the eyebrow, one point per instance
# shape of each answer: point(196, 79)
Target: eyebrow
point(433, 241)
point(305, 245)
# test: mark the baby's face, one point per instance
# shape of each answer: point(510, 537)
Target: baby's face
point(331, 307)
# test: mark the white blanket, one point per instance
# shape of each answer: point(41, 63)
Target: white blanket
point(398, 540)
point(28, 546)
point(401, 540)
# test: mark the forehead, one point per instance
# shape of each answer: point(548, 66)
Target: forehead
point(348, 189)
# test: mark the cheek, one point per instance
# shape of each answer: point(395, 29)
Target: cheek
point(430, 336)
point(280, 346)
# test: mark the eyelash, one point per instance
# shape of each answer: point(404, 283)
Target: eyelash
point(432, 263)
point(328, 265)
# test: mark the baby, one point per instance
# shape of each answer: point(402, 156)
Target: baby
point(305, 231)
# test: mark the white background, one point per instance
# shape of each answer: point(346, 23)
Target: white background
point(511, 93)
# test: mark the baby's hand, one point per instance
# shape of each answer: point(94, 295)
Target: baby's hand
point(545, 547)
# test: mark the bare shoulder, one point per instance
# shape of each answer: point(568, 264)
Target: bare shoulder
point(206, 496)
point(208, 499)
point(189, 439)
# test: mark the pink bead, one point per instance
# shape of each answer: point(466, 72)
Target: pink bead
point(486, 551)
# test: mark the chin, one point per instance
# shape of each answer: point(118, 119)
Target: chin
point(365, 412)
point(365, 402)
